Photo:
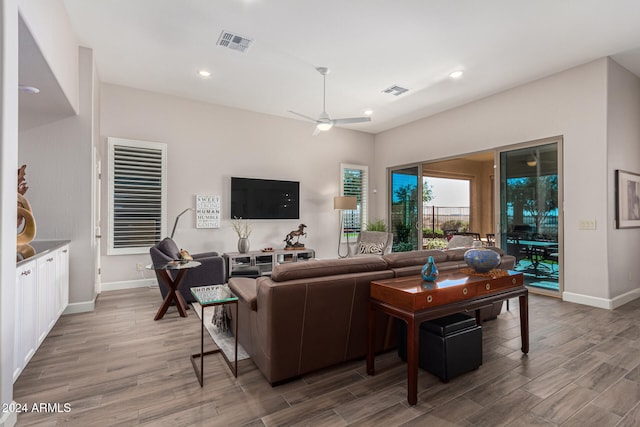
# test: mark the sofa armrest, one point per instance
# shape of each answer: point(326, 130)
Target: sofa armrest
point(204, 255)
point(246, 290)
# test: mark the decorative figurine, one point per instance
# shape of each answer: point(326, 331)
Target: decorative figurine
point(430, 271)
point(295, 233)
point(26, 222)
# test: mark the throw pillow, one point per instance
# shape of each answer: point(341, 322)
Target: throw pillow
point(370, 248)
point(185, 256)
point(460, 242)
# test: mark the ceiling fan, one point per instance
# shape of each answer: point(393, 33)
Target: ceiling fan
point(324, 122)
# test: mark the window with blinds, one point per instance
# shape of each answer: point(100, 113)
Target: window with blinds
point(355, 182)
point(137, 195)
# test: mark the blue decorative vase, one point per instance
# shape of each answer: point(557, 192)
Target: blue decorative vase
point(482, 260)
point(430, 271)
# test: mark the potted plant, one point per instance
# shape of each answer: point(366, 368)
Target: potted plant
point(243, 229)
point(377, 225)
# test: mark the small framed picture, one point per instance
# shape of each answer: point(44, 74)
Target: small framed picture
point(627, 199)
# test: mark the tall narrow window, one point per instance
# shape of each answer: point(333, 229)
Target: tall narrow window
point(355, 182)
point(137, 195)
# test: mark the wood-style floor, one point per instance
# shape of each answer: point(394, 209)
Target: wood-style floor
point(116, 366)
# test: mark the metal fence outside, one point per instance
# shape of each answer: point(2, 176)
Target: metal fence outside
point(445, 217)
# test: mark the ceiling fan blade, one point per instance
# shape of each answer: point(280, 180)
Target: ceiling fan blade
point(351, 120)
point(316, 131)
point(303, 116)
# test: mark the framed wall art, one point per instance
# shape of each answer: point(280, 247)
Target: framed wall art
point(207, 211)
point(627, 199)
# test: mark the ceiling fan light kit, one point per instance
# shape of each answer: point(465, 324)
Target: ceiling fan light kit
point(324, 121)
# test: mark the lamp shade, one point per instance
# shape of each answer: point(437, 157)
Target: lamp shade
point(347, 203)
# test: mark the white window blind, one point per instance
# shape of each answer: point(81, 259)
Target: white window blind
point(355, 182)
point(137, 195)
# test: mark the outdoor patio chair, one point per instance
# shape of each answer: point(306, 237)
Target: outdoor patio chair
point(491, 239)
point(373, 243)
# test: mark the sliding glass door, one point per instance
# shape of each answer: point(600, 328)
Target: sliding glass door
point(530, 214)
point(406, 213)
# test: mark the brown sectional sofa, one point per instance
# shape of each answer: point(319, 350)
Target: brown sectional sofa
point(311, 315)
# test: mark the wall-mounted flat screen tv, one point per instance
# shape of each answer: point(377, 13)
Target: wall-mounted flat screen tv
point(264, 199)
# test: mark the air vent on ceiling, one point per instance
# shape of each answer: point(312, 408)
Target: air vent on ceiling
point(234, 41)
point(395, 90)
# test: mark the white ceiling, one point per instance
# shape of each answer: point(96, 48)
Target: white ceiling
point(369, 45)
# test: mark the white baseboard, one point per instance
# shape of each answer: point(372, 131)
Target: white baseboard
point(86, 306)
point(128, 284)
point(621, 300)
point(9, 418)
point(606, 303)
point(80, 307)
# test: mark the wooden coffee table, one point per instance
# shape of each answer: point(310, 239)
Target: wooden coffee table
point(414, 301)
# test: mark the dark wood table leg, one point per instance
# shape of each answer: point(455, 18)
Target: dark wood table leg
point(371, 334)
point(524, 321)
point(413, 339)
point(173, 294)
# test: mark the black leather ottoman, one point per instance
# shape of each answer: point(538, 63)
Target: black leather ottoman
point(449, 346)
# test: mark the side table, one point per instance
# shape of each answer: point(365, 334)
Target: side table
point(208, 296)
point(173, 285)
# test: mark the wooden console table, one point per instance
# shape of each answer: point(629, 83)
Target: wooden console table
point(414, 301)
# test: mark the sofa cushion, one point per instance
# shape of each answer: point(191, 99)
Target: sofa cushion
point(457, 254)
point(168, 247)
point(458, 241)
point(326, 267)
point(406, 259)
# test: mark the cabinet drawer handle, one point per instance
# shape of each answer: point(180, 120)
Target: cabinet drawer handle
point(49, 259)
point(65, 251)
point(26, 273)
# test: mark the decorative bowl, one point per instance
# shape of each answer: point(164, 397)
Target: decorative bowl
point(482, 260)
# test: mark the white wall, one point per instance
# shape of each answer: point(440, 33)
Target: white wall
point(59, 172)
point(571, 103)
point(50, 27)
point(207, 144)
point(623, 151)
point(8, 192)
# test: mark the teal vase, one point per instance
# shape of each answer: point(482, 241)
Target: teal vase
point(430, 271)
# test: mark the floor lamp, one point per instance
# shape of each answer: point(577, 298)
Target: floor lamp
point(344, 203)
point(175, 224)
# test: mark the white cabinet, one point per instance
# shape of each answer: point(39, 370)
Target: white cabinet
point(45, 280)
point(25, 329)
point(62, 272)
point(42, 294)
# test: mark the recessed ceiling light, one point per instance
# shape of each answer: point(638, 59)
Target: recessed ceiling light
point(204, 73)
point(28, 89)
point(456, 74)
point(368, 112)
